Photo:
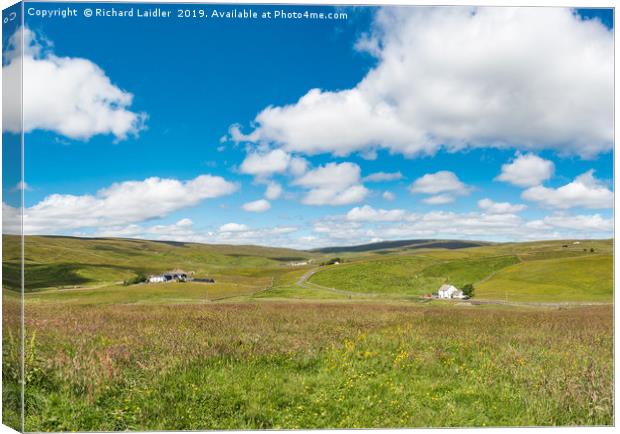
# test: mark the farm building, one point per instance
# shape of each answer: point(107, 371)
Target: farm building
point(170, 276)
point(449, 291)
point(156, 279)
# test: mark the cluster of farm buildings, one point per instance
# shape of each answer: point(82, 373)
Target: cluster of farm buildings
point(170, 276)
point(177, 276)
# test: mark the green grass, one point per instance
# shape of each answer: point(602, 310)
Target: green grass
point(525, 272)
point(299, 293)
point(463, 271)
point(65, 262)
point(11, 360)
point(258, 350)
point(315, 365)
point(56, 262)
point(412, 275)
point(160, 293)
point(398, 274)
point(587, 278)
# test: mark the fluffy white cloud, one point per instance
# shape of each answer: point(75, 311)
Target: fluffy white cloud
point(594, 222)
point(122, 203)
point(457, 77)
point(298, 166)
point(584, 192)
point(526, 170)
point(439, 199)
point(367, 224)
point(369, 214)
point(333, 184)
point(11, 220)
point(183, 223)
point(267, 163)
point(237, 136)
point(273, 191)
point(383, 176)
point(233, 227)
point(178, 231)
point(260, 205)
point(184, 230)
point(363, 224)
point(263, 164)
point(491, 207)
point(442, 224)
point(242, 234)
point(441, 182)
point(442, 185)
point(70, 96)
point(388, 195)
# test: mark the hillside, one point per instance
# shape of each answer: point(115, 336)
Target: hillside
point(403, 244)
point(545, 271)
point(52, 261)
point(311, 334)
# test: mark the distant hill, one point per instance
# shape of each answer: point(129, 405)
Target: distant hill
point(403, 244)
point(66, 261)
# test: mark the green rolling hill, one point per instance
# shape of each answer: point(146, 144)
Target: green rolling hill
point(69, 261)
point(548, 271)
point(538, 271)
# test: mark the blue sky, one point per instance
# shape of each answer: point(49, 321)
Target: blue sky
point(174, 129)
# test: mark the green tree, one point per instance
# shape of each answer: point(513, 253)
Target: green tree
point(139, 278)
point(468, 290)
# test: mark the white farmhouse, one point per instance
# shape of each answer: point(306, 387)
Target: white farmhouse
point(171, 276)
point(157, 279)
point(449, 291)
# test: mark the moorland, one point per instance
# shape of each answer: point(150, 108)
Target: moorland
point(340, 337)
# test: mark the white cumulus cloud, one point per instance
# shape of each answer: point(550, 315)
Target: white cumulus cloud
point(333, 184)
point(439, 199)
point(184, 231)
point(520, 77)
point(233, 227)
point(491, 207)
point(383, 176)
point(122, 203)
point(273, 191)
point(440, 182)
point(263, 164)
point(363, 224)
point(68, 95)
point(267, 163)
point(260, 205)
point(368, 213)
point(585, 191)
point(594, 222)
point(526, 170)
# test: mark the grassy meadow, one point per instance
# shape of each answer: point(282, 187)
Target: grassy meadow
point(272, 345)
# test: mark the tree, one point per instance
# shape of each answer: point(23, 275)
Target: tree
point(139, 278)
point(468, 290)
point(332, 261)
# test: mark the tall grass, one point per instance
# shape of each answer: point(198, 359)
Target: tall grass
point(310, 365)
